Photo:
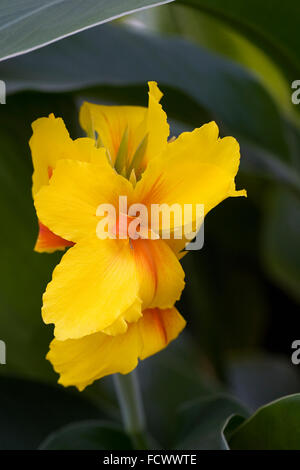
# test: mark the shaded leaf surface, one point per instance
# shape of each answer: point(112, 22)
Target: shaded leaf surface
point(275, 426)
point(89, 435)
point(30, 24)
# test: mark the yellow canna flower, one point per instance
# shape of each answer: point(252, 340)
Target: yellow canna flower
point(81, 361)
point(112, 300)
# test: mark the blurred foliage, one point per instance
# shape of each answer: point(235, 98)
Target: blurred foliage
point(259, 378)
point(230, 61)
point(263, 23)
point(31, 410)
point(212, 33)
point(281, 239)
point(203, 420)
point(23, 273)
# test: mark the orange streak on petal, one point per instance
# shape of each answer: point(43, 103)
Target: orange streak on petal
point(160, 324)
point(50, 171)
point(47, 241)
point(143, 251)
point(145, 261)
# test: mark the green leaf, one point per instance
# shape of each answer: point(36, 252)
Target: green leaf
point(281, 240)
point(268, 24)
point(230, 425)
point(275, 426)
point(228, 93)
point(203, 420)
point(89, 435)
point(25, 26)
point(31, 410)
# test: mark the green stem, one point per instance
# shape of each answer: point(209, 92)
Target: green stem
point(130, 401)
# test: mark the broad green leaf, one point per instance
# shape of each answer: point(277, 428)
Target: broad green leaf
point(88, 435)
point(230, 94)
point(275, 426)
point(203, 420)
point(273, 25)
point(31, 410)
point(25, 26)
point(230, 425)
point(281, 240)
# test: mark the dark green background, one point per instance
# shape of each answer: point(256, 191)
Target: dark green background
point(230, 61)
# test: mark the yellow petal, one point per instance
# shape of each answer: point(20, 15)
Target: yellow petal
point(82, 361)
point(158, 328)
point(94, 285)
point(155, 125)
point(51, 142)
point(197, 168)
point(69, 203)
point(121, 324)
point(177, 246)
point(109, 123)
point(160, 274)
